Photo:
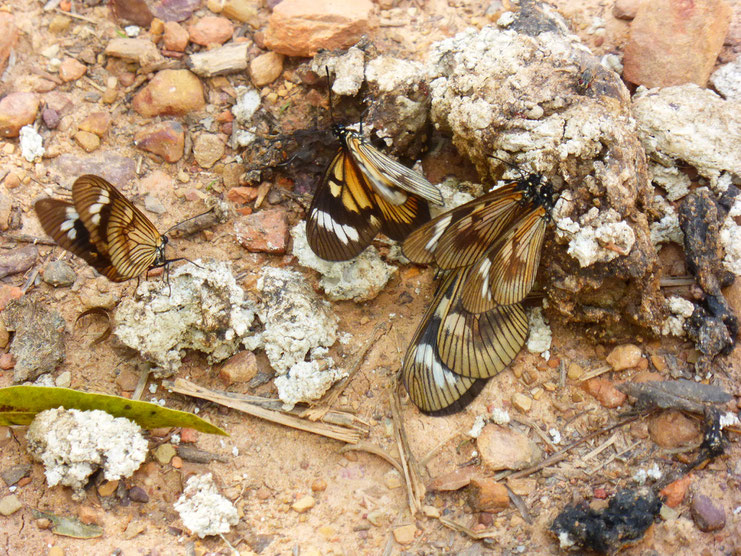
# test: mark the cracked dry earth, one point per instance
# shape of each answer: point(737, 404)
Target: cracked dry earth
point(360, 504)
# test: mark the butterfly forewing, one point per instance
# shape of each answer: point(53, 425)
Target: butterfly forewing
point(431, 385)
point(341, 221)
point(457, 238)
point(62, 222)
point(134, 244)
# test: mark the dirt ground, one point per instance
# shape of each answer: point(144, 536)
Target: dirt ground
point(266, 467)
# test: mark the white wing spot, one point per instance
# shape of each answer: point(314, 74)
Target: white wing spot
point(96, 219)
point(439, 229)
point(95, 208)
point(72, 234)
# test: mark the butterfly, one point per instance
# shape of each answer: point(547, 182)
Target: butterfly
point(490, 250)
point(103, 228)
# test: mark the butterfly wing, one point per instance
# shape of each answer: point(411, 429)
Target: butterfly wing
point(480, 345)
point(506, 273)
point(117, 227)
point(459, 237)
point(62, 222)
point(342, 220)
point(432, 386)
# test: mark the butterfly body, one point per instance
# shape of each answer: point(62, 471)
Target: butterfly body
point(104, 228)
point(489, 250)
point(364, 192)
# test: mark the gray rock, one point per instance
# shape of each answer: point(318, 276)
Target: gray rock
point(727, 80)
point(38, 345)
point(59, 273)
point(17, 260)
point(14, 474)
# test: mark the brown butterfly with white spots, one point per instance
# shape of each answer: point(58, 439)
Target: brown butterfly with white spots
point(489, 249)
point(105, 229)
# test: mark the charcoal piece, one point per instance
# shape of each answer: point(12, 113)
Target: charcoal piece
point(686, 395)
point(627, 517)
point(710, 333)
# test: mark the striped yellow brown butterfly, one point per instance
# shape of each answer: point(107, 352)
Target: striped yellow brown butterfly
point(489, 250)
point(364, 192)
point(103, 228)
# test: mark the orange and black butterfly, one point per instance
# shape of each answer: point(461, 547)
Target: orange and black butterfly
point(364, 192)
point(489, 250)
point(105, 229)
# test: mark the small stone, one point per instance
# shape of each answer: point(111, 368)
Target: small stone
point(10, 504)
point(672, 43)
point(405, 534)
point(188, 436)
point(245, 11)
point(55, 550)
point(13, 474)
point(303, 27)
point(12, 180)
point(625, 9)
point(659, 363)
point(17, 260)
point(165, 139)
point(488, 495)
point(88, 515)
point(64, 380)
point(127, 380)
point(96, 122)
point(142, 51)
point(431, 511)
point(671, 429)
point(266, 68)
point(208, 149)
point(522, 402)
point(4, 335)
point(522, 487)
point(263, 493)
point(138, 494)
point(392, 479)
point(241, 367)
point(8, 294)
point(164, 453)
point(211, 30)
point(50, 117)
point(503, 448)
point(242, 195)
point(16, 111)
point(71, 70)
point(265, 231)
point(707, 516)
point(674, 492)
point(624, 357)
point(59, 24)
point(319, 485)
point(7, 361)
point(88, 141)
point(107, 488)
point(175, 37)
point(59, 273)
point(574, 371)
point(303, 504)
point(604, 391)
point(170, 92)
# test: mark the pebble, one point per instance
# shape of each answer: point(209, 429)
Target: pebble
point(188, 436)
point(17, 260)
point(15, 473)
point(208, 149)
point(50, 118)
point(266, 68)
point(16, 111)
point(142, 51)
point(8, 38)
point(625, 9)
point(59, 273)
point(154, 204)
point(522, 402)
point(265, 231)
point(727, 80)
point(604, 391)
point(241, 367)
point(303, 504)
point(502, 448)
point(392, 479)
point(170, 92)
point(624, 357)
point(4, 335)
point(165, 139)
point(319, 485)
point(671, 429)
point(107, 488)
point(431, 511)
point(71, 70)
point(659, 363)
point(707, 516)
point(88, 515)
point(245, 11)
point(6, 211)
point(242, 195)
point(88, 141)
point(12, 180)
point(138, 494)
point(96, 122)
point(8, 294)
point(303, 27)
point(211, 30)
point(164, 453)
point(522, 487)
point(7, 361)
point(10, 504)
point(405, 534)
point(672, 43)
point(175, 37)
point(488, 495)
point(674, 492)
point(64, 380)
point(55, 550)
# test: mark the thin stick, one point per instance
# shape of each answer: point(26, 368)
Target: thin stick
point(76, 16)
point(596, 372)
point(376, 451)
point(415, 489)
point(344, 434)
point(26, 238)
point(477, 535)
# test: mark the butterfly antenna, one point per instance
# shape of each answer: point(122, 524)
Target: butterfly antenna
point(329, 92)
point(512, 166)
point(171, 228)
